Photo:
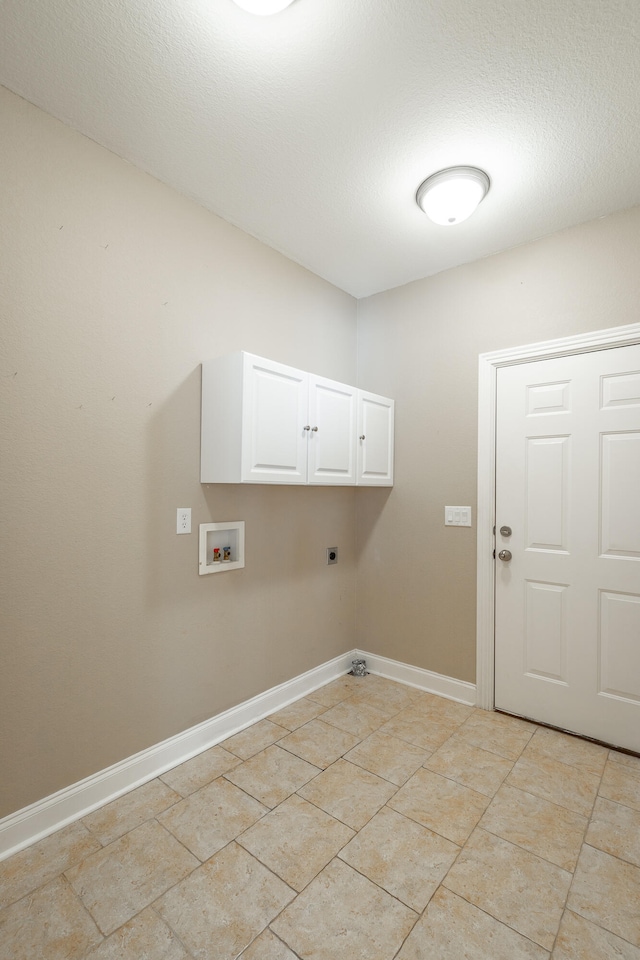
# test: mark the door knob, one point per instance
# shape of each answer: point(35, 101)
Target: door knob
point(505, 554)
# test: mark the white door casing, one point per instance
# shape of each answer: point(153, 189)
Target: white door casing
point(489, 364)
point(567, 630)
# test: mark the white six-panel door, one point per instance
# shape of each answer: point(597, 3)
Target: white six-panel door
point(567, 615)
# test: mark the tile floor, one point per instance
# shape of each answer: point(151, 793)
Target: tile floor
point(365, 822)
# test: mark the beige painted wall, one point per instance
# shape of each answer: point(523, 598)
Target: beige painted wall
point(113, 289)
point(420, 344)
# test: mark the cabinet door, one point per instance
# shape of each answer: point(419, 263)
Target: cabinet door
point(332, 418)
point(274, 441)
point(375, 440)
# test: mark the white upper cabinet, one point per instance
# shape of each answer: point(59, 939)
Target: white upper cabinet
point(274, 401)
point(264, 422)
point(332, 419)
point(375, 440)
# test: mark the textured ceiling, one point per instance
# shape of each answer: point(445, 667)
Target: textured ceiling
point(312, 129)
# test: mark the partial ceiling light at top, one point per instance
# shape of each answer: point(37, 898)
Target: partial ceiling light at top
point(263, 7)
point(450, 196)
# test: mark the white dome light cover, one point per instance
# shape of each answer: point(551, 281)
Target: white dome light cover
point(263, 8)
point(450, 196)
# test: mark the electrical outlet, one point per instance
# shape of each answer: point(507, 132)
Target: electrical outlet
point(332, 554)
point(184, 520)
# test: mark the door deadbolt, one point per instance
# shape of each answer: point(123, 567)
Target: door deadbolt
point(505, 531)
point(505, 554)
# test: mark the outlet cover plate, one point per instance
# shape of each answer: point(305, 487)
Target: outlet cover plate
point(332, 554)
point(183, 522)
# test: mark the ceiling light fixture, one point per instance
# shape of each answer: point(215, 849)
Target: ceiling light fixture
point(263, 7)
point(450, 196)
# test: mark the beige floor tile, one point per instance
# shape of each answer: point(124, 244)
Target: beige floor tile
point(296, 841)
point(120, 880)
point(297, 713)
point(469, 765)
point(356, 717)
point(255, 738)
point(211, 817)
point(626, 760)
point(615, 829)
point(49, 924)
point(419, 730)
point(511, 884)
point(440, 804)
point(389, 758)
point(433, 777)
point(267, 947)
point(607, 891)
point(129, 811)
point(621, 783)
point(146, 937)
point(452, 929)
point(385, 695)
point(273, 775)
point(441, 709)
point(556, 781)
point(572, 750)
point(224, 905)
point(551, 832)
point(348, 792)
point(340, 915)
point(401, 856)
point(379, 703)
point(189, 776)
point(579, 939)
point(41, 862)
point(319, 743)
point(498, 733)
point(337, 690)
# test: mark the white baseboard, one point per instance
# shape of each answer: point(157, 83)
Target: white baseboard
point(32, 823)
point(44, 817)
point(425, 680)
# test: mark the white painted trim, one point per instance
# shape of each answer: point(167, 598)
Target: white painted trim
point(32, 823)
point(425, 680)
point(487, 377)
point(485, 514)
point(42, 818)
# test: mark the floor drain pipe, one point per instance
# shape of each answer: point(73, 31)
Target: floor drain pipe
point(359, 668)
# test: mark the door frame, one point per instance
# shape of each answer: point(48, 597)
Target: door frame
point(488, 366)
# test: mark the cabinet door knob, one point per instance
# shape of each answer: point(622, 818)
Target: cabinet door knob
point(308, 427)
point(362, 436)
point(314, 429)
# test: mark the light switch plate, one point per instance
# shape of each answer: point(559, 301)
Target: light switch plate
point(457, 516)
